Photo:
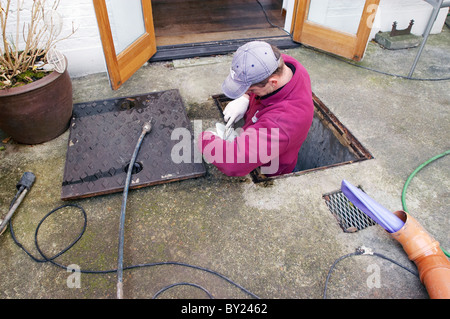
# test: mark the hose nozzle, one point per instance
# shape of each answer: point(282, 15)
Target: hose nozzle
point(147, 127)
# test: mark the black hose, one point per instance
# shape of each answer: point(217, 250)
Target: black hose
point(361, 251)
point(45, 258)
point(86, 271)
point(146, 128)
point(120, 267)
point(183, 284)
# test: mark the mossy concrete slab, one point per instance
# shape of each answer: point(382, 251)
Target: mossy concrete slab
point(277, 240)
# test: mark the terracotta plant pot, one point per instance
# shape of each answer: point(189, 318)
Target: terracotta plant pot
point(37, 112)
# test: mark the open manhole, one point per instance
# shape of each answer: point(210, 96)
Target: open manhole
point(349, 217)
point(103, 136)
point(329, 143)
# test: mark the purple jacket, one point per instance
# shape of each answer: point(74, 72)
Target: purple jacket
point(274, 130)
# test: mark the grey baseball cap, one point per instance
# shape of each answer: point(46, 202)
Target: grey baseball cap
point(252, 63)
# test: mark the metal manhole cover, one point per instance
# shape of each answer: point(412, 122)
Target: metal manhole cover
point(349, 217)
point(103, 136)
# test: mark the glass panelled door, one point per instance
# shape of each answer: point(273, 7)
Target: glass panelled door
point(338, 15)
point(128, 37)
point(341, 27)
point(126, 22)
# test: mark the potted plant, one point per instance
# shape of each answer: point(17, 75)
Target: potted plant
point(35, 86)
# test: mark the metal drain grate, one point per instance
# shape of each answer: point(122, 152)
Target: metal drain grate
point(350, 218)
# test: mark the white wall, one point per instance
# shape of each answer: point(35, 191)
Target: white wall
point(83, 49)
point(85, 54)
point(388, 11)
point(404, 11)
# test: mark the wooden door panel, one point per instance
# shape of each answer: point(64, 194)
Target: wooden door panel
point(351, 46)
point(328, 39)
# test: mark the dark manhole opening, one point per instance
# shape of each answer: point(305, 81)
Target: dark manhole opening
point(329, 143)
point(350, 218)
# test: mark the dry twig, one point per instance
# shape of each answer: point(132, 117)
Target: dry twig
point(40, 34)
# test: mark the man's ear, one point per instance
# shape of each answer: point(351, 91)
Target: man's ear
point(273, 81)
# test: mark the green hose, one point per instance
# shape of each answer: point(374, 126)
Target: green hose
point(405, 187)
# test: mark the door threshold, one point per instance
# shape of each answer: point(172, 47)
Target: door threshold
point(191, 50)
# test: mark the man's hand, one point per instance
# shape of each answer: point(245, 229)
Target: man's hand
point(235, 110)
point(222, 132)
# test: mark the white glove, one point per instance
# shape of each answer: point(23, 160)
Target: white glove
point(225, 133)
point(222, 132)
point(235, 110)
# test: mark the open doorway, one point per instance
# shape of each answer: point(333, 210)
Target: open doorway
point(197, 27)
point(177, 29)
point(193, 21)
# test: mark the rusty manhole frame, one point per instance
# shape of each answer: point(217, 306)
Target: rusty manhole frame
point(330, 121)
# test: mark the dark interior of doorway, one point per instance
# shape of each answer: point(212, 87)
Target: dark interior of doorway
point(199, 28)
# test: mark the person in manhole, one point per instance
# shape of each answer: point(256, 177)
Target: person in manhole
point(271, 92)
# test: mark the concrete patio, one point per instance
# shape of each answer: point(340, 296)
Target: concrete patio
point(278, 241)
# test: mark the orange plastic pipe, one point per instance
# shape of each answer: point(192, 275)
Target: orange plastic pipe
point(424, 251)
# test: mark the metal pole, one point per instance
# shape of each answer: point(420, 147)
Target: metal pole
point(12, 210)
point(23, 186)
point(437, 4)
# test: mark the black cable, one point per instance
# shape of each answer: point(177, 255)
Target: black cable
point(348, 62)
point(183, 284)
point(381, 72)
point(415, 273)
point(84, 271)
point(360, 251)
point(19, 191)
point(70, 245)
point(270, 22)
point(120, 268)
point(332, 268)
